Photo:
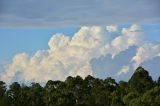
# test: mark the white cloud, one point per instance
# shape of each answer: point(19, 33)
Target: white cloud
point(70, 56)
point(111, 28)
point(123, 70)
point(130, 36)
point(146, 52)
point(65, 56)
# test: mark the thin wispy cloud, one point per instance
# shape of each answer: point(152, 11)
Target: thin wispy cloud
point(59, 13)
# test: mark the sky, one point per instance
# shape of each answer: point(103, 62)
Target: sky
point(64, 13)
point(43, 40)
point(15, 40)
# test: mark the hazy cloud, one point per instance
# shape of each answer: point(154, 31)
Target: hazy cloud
point(111, 28)
point(51, 13)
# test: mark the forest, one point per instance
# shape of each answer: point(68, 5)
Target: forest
point(140, 90)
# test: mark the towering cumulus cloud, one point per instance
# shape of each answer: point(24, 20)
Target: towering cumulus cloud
point(66, 56)
point(71, 56)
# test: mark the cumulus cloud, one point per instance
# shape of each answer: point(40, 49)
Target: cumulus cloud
point(146, 52)
point(130, 37)
point(106, 66)
point(66, 56)
point(71, 56)
point(111, 28)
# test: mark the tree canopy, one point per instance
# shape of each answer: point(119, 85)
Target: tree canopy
point(140, 90)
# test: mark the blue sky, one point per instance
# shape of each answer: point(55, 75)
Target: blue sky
point(152, 32)
point(29, 40)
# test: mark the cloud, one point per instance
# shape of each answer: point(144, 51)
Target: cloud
point(106, 66)
point(111, 28)
point(50, 13)
point(66, 56)
point(146, 52)
point(123, 70)
point(130, 37)
point(89, 51)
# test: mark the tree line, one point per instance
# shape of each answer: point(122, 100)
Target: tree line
point(140, 90)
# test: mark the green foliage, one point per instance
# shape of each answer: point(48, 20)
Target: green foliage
point(2, 88)
point(140, 81)
point(129, 97)
point(140, 90)
point(3, 98)
point(152, 97)
point(158, 81)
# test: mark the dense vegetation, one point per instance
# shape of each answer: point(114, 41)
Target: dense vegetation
point(140, 90)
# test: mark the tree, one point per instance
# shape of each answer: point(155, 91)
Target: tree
point(88, 98)
point(151, 97)
point(77, 87)
point(140, 90)
point(3, 98)
point(158, 81)
point(136, 102)
point(2, 88)
point(117, 97)
point(63, 96)
point(89, 81)
point(35, 95)
point(129, 97)
point(110, 83)
point(24, 95)
point(140, 81)
point(49, 98)
point(14, 94)
point(118, 93)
